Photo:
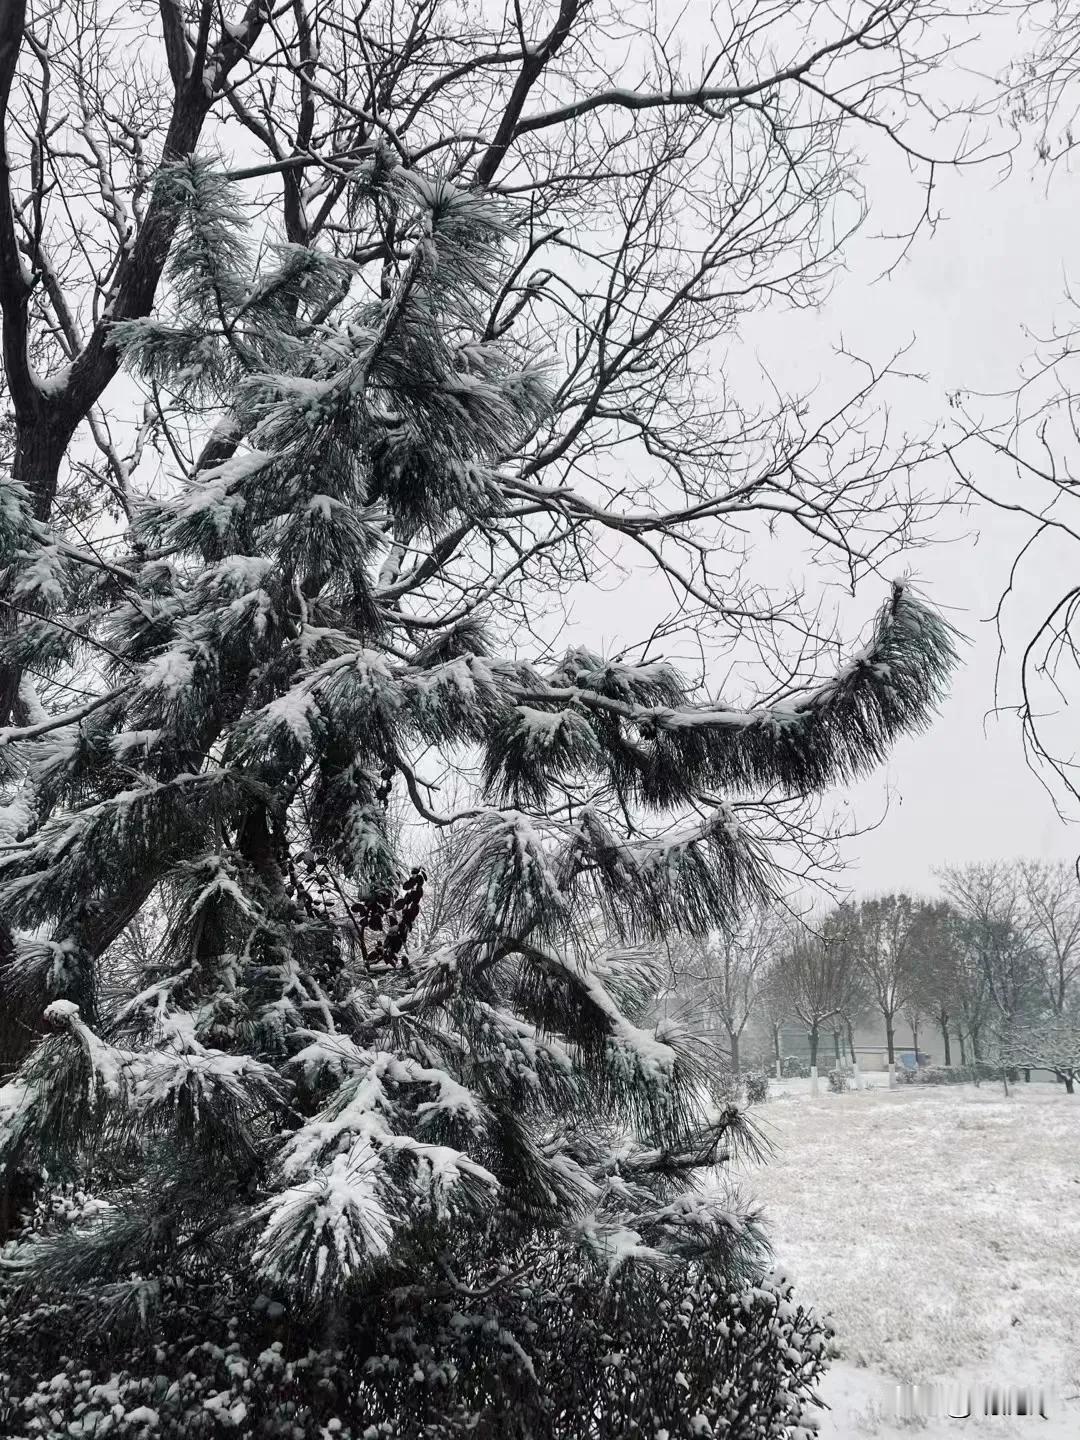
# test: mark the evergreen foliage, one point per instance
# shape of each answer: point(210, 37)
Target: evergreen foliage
point(310, 1086)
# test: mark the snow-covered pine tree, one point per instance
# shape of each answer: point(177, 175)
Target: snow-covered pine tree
point(299, 1082)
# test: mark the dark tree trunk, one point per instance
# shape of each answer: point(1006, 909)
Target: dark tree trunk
point(976, 1049)
point(1069, 1077)
point(945, 1037)
point(776, 1041)
point(915, 1042)
point(813, 1047)
point(16, 1195)
point(890, 1039)
point(45, 421)
point(1027, 1077)
point(733, 1039)
point(40, 441)
point(851, 1042)
point(836, 1047)
point(963, 1052)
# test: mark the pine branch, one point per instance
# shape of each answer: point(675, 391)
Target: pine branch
point(805, 743)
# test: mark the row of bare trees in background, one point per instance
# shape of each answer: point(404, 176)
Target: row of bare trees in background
point(990, 967)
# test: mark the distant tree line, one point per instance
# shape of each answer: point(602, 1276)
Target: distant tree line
point(990, 966)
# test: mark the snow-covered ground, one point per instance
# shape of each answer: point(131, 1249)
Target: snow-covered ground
point(940, 1228)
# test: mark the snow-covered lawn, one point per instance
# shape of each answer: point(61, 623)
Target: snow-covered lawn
point(940, 1228)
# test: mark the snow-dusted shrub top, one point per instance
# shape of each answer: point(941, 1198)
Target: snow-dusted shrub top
point(757, 1089)
point(681, 1352)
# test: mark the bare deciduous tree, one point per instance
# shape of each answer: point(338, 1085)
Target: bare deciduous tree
point(975, 1006)
point(939, 972)
point(996, 931)
point(814, 973)
point(1039, 87)
point(774, 1008)
point(1034, 449)
point(855, 1001)
point(1052, 902)
point(883, 941)
point(721, 977)
point(1029, 435)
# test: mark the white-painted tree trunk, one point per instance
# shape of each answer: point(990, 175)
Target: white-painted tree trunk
point(813, 1080)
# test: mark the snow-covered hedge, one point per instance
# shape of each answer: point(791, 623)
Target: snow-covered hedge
point(951, 1074)
point(674, 1353)
point(942, 1075)
point(794, 1067)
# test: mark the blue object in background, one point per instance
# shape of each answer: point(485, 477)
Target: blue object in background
point(907, 1059)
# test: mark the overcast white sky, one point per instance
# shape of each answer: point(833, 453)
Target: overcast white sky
point(996, 268)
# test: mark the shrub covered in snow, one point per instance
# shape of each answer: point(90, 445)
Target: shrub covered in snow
point(944, 1075)
point(757, 1089)
point(544, 1354)
point(839, 1082)
point(1051, 1043)
point(793, 1067)
point(972, 1074)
